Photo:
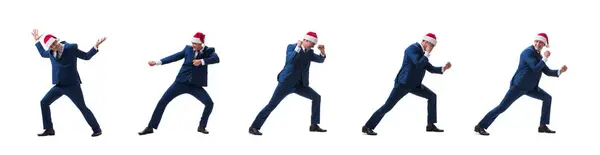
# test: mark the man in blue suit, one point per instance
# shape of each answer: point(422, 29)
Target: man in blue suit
point(65, 77)
point(525, 82)
point(408, 80)
point(294, 79)
point(191, 79)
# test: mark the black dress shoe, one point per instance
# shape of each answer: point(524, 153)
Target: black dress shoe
point(316, 128)
point(433, 128)
point(545, 129)
point(254, 131)
point(96, 133)
point(147, 130)
point(47, 132)
point(481, 131)
point(368, 131)
point(202, 130)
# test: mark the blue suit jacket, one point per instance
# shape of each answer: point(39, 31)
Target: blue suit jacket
point(529, 72)
point(413, 68)
point(190, 74)
point(297, 65)
point(64, 70)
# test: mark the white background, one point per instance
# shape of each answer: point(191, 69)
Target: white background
point(365, 41)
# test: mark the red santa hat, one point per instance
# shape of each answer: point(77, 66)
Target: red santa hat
point(49, 40)
point(543, 38)
point(198, 38)
point(311, 36)
point(430, 37)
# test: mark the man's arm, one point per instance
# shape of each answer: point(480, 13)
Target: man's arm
point(418, 60)
point(434, 69)
point(291, 52)
point(85, 55)
point(172, 58)
point(213, 58)
point(44, 53)
point(550, 72)
point(533, 63)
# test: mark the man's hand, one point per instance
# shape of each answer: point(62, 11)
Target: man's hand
point(35, 35)
point(151, 63)
point(322, 49)
point(447, 66)
point(299, 42)
point(197, 62)
point(100, 41)
point(547, 54)
point(563, 69)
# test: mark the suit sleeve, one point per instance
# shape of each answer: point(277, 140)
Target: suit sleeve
point(550, 72)
point(84, 55)
point(433, 69)
point(533, 63)
point(172, 58)
point(44, 53)
point(318, 58)
point(212, 58)
point(291, 53)
point(418, 60)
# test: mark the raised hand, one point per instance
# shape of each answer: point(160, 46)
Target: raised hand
point(35, 34)
point(299, 42)
point(100, 41)
point(322, 49)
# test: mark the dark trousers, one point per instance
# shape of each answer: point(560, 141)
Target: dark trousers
point(175, 90)
point(396, 95)
point(280, 93)
point(75, 94)
point(511, 96)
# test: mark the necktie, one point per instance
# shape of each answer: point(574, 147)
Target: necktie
point(198, 54)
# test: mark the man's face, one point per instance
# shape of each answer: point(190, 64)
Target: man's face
point(55, 46)
point(197, 46)
point(428, 46)
point(538, 45)
point(308, 44)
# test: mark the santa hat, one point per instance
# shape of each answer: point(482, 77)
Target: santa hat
point(198, 38)
point(49, 40)
point(311, 36)
point(543, 38)
point(430, 37)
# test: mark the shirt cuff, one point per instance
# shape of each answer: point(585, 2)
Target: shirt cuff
point(95, 47)
point(297, 49)
point(443, 69)
point(202, 60)
point(427, 54)
point(558, 72)
point(545, 59)
point(158, 62)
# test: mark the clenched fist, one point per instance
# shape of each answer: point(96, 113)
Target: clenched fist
point(563, 69)
point(322, 49)
point(447, 66)
point(151, 63)
point(299, 42)
point(547, 54)
point(197, 62)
